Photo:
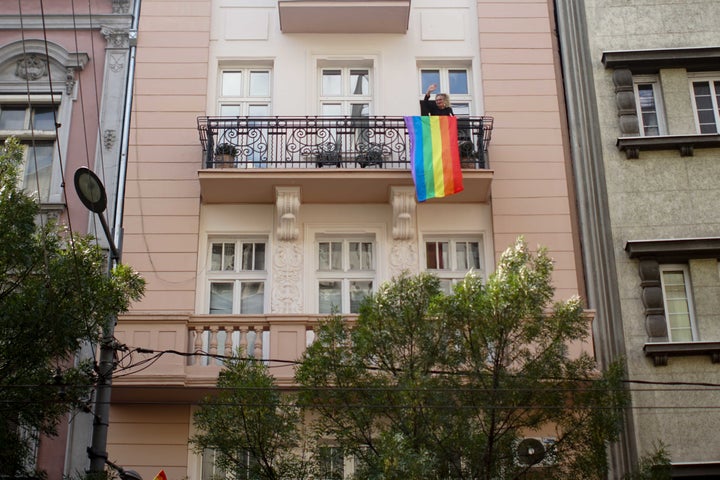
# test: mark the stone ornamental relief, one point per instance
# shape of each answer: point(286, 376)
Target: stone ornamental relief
point(403, 257)
point(287, 278)
point(31, 67)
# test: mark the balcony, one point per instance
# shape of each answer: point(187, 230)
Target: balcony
point(183, 354)
point(332, 159)
point(344, 16)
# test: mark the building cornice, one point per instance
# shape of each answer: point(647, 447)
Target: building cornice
point(64, 22)
point(651, 61)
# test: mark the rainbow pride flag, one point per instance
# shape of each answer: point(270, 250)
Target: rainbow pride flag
point(434, 156)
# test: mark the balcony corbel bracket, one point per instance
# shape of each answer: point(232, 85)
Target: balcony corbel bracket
point(287, 203)
point(686, 150)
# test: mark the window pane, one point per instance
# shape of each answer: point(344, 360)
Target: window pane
point(332, 109)
point(648, 109)
point(358, 291)
point(361, 256)
point(677, 306)
point(460, 109)
point(252, 297)
point(437, 255)
point(44, 118)
point(215, 256)
point(222, 257)
point(12, 118)
point(468, 255)
point(221, 298)
point(474, 252)
point(258, 110)
point(428, 77)
point(38, 171)
point(259, 256)
point(458, 81)
point(360, 110)
point(332, 83)
point(359, 82)
point(703, 104)
point(329, 298)
point(230, 110)
point(336, 256)
point(324, 256)
point(259, 84)
point(253, 256)
point(232, 84)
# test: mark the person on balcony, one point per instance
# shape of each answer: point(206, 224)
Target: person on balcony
point(441, 105)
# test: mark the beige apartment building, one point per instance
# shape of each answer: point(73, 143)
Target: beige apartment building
point(643, 88)
point(311, 95)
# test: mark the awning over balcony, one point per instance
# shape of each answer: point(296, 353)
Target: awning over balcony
point(344, 16)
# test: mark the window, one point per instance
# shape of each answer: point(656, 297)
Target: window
point(246, 468)
point(453, 81)
point(345, 273)
point(678, 305)
point(649, 106)
point(707, 105)
point(452, 259)
point(237, 276)
point(345, 91)
point(34, 125)
point(332, 464)
point(245, 92)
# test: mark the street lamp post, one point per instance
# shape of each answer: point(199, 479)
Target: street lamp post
point(92, 194)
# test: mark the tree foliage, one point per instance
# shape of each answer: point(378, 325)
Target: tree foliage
point(55, 295)
point(252, 427)
point(432, 386)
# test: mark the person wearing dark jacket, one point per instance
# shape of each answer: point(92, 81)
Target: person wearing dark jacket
point(441, 105)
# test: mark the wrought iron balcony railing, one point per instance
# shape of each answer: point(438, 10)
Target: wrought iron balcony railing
point(316, 142)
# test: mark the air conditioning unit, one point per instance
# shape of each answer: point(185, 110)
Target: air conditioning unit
point(535, 451)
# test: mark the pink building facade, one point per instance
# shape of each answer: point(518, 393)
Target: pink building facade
point(201, 63)
point(63, 76)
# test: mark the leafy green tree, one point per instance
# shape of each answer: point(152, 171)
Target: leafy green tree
point(253, 428)
point(55, 295)
point(429, 386)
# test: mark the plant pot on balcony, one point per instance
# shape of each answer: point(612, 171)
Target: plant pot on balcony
point(225, 154)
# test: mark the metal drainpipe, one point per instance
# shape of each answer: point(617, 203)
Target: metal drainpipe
point(125, 135)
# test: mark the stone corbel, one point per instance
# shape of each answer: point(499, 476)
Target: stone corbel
point(404, 206)
point(625, 100)
point(116, 37)
point(69, 80)
point(287, 205)
point(652, 298)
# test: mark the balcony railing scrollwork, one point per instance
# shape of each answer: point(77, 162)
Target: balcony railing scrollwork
point(321, 142)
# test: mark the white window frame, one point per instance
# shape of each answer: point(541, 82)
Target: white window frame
point(237, 276)
point(346, 99)
point(711, 79)
point(683, 268)
point(244, 100)
point(345, 275)
point(444, 86)
point(453, 274)
point(654, 82)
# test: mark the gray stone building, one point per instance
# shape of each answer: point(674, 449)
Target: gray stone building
point(643, 94)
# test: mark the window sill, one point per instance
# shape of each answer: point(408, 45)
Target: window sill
point(660, 351)
point(684, 143)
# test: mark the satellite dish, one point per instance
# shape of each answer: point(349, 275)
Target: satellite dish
point(530, 451)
